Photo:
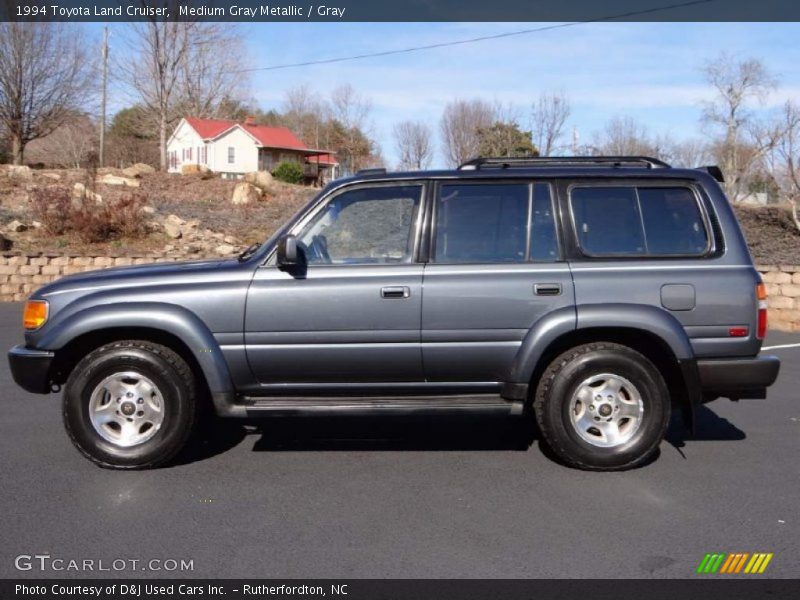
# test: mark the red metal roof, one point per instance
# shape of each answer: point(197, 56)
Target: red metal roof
point(209, 128)
point(269, 137)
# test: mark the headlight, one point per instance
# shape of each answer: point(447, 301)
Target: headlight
point(35, 315)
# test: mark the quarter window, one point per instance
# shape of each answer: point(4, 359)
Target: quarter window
point(364, 226)
point(638, 221)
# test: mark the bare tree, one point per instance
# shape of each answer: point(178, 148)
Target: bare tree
point(304, 113)
point(69, 145)
point(737, 85)
point(45, 75)
point(414, 145)
point(460, 123)
point(211, 71)
point(550, 114)
point(180, 67)
point(350, 110)
point(690, 153)
point(782, 162)
point(624, 136)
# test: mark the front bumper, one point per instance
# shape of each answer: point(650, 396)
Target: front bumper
point(31, 368)
point(738, 378)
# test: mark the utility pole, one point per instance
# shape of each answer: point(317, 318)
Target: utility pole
point(104, 92)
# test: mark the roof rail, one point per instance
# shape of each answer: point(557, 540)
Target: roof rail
point(372, 171)
point(546, 161)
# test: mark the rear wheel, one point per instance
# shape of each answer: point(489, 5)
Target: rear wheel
point(602, 406)
point(130, 405)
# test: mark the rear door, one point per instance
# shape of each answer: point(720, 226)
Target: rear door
point(494, 269)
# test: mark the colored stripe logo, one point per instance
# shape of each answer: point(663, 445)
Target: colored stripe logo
point(739, 562)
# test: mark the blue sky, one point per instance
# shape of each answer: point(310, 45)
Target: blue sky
point(649, 71)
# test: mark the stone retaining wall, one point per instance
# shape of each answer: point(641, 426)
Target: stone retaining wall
point(783, 291)
point(22, 274)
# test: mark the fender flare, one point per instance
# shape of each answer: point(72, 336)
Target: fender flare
point(642, 317)
point(169, 318)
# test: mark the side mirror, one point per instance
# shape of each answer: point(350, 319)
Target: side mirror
point(287, 251)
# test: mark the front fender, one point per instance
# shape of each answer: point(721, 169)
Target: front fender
point(169, 318)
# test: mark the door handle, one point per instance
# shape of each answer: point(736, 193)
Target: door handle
point(395, 291)
point(547, 289)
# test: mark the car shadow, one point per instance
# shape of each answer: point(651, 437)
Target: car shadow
point(709, 427)
point(394, 433)
point(437, 433)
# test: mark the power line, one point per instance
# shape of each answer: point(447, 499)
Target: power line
point(484, 38)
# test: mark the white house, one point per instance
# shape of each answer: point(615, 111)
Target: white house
point(233, 149)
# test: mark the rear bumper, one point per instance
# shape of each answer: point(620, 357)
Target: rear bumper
point(738, 378)
point(31, 368)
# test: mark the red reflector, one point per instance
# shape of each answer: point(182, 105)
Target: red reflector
point(738, 331)
point(762, 323)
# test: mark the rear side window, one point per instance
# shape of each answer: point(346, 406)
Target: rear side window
point(638, 221)
point(495, 223)
point(482, 223)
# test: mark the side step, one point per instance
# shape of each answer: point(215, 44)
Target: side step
point(371, 405)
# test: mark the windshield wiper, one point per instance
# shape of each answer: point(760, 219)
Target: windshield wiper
point(249, 251)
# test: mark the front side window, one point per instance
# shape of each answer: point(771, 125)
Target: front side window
point(364, 226)
point(486, 223)
point(638, 221)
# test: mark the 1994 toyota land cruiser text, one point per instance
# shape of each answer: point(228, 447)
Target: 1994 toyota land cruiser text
point(598, 294)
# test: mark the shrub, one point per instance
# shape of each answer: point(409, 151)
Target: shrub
point(288, 171)
point(88, 221)
point(52, 206)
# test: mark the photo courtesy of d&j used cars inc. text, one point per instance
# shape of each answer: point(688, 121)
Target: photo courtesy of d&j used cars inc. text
point(400, 301)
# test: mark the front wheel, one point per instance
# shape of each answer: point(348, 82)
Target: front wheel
point(130, 405)
point(602, 406)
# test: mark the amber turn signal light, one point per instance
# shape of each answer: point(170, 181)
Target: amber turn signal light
point(35, 314)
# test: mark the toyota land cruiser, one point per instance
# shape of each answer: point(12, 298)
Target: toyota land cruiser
point(596, 293)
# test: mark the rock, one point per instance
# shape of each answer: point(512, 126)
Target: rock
point(53, 176)
point(20, 172)
point(5, 243)
point(191, 225)
point(138, 170)
point(225, 249)
point(173, 218)
point(194, 169)
point(16, 226)
point(36, 224)
point(230, 240)
point(79, 192)
point(173, 230)
point(148, 210)
point(169, 248)
point(262, 179)
point(245, 193)
point(110, 179)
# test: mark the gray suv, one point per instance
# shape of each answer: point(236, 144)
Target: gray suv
point(598, 294)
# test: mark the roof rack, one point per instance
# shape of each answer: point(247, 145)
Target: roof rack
point(546, 161)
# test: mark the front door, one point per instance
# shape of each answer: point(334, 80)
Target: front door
point(352, 316)
point(494, 270)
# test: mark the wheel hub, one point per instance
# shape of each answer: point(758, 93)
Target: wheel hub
point(126, 409)
point(606, 410)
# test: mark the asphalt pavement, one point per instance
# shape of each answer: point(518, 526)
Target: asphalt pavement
point(373, 498)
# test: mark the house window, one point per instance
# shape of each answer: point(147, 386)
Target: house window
point(231, 155)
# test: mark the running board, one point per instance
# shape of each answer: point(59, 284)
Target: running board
point(370, 405)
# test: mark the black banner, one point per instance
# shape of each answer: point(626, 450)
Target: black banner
point(400, 10)
point(405, 589)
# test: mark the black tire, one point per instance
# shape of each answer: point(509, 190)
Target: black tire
point(165, 369)
point(564, 376)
